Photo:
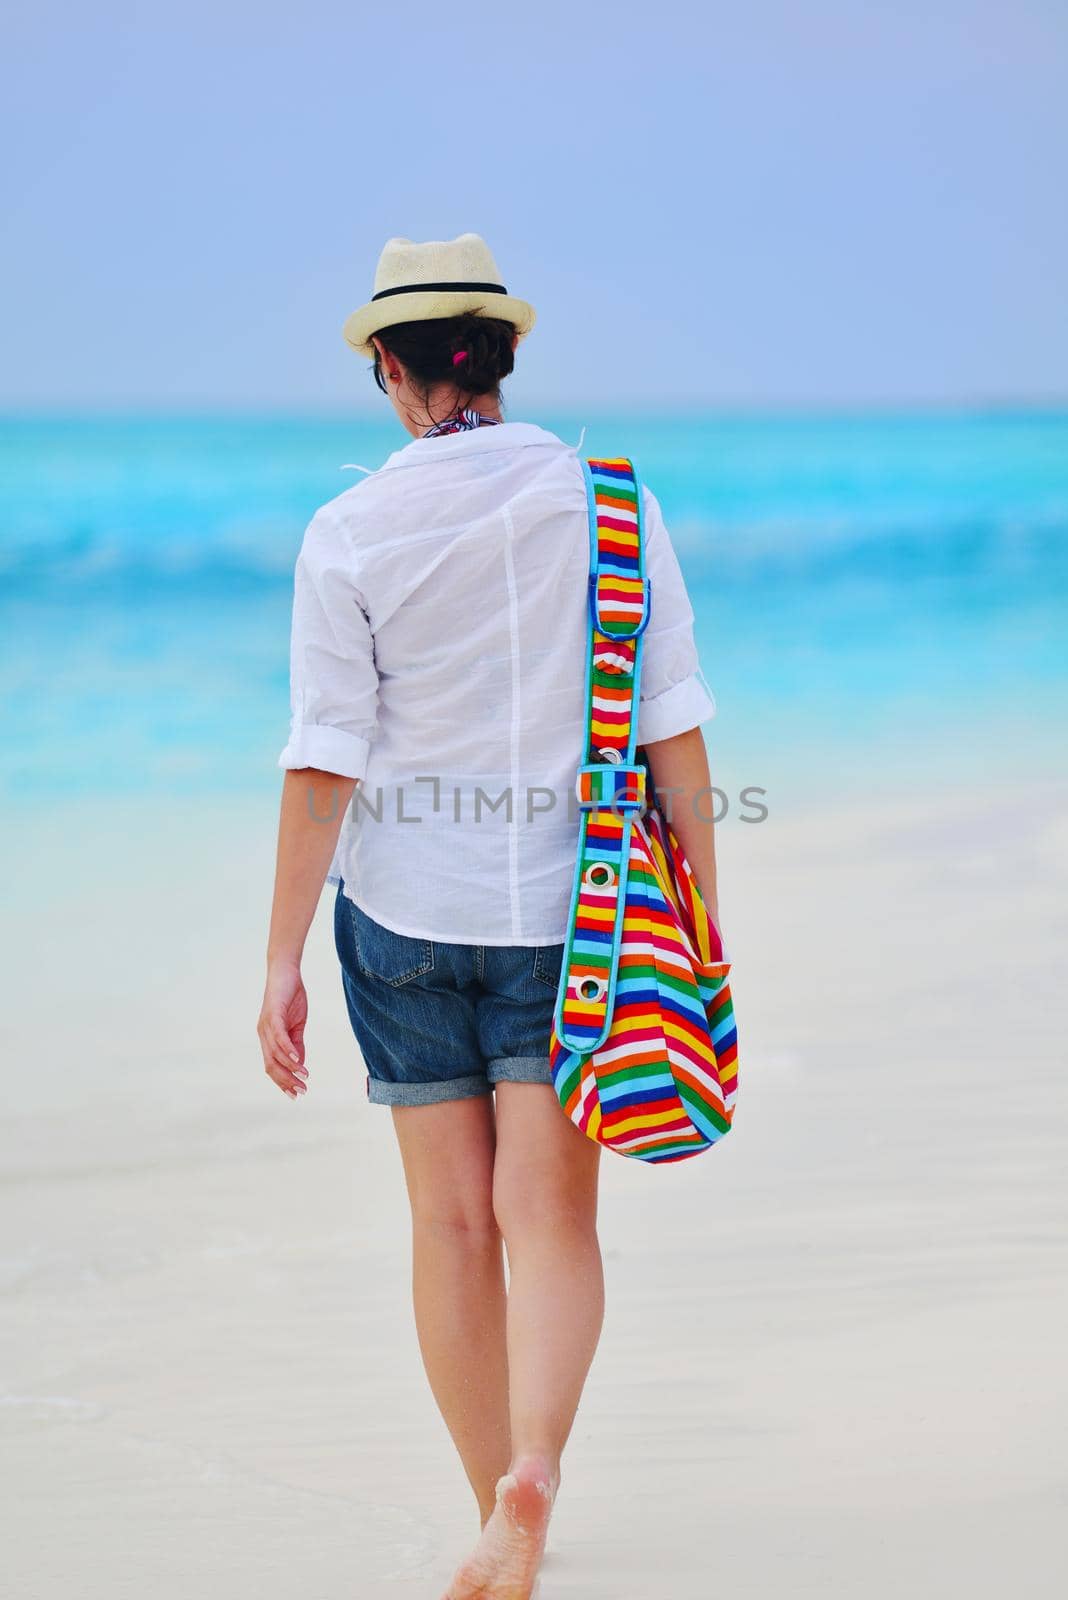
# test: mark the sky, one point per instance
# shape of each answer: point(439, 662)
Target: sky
point(766, 204)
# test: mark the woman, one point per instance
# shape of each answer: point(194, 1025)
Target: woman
point(438, 654)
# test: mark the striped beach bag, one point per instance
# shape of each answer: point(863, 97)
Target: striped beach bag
point(644, 1050)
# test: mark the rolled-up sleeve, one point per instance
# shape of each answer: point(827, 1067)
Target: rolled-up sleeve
point(674, 694)
point(333, 681)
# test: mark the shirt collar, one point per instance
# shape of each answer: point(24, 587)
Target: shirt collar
point(474, 441)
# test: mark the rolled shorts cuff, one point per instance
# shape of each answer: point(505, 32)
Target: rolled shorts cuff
point(383, 1093)
point(520, 1069)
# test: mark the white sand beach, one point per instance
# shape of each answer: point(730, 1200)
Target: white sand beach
point(833, 1357)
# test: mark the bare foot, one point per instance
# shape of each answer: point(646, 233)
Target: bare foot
point(504, 1563)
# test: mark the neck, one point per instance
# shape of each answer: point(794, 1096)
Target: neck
point(445, 402)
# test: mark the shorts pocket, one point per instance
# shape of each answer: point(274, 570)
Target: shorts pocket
point(548, 960)
point(394, 958)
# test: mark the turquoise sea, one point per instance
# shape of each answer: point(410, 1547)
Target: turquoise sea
point(882, 600)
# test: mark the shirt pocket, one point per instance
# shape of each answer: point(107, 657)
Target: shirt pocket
point(548, 960)
point(393, 958)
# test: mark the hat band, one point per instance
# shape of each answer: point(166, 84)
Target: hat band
point(424, 288)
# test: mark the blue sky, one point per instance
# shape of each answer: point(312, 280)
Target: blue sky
point(763, 204)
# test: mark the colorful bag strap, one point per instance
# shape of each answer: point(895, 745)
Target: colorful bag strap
point(610, 784)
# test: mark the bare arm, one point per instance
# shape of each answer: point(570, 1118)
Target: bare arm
point(313, 808)
point(680, 772)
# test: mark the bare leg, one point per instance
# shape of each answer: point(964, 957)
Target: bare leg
point(458, 1278)
point(545, 1202)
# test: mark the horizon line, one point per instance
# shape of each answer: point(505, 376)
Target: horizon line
point(153, 411)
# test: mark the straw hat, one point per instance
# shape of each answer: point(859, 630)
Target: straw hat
point(442, 278)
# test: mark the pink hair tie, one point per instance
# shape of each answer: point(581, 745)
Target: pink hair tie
point(461, 355)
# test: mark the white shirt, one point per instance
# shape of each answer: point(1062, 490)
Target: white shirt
point(439, 633)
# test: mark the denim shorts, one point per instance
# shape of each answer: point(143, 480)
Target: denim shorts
point(439, 1021)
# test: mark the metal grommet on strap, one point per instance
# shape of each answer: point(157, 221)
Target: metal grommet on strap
point(599, 875)
point(613, 756)
point(590, 989)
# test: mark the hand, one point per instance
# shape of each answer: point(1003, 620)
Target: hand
point(281, 1028)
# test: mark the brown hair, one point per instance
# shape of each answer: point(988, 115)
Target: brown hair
point(429, 350)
